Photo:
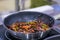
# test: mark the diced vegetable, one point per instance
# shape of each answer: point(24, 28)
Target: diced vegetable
point(29, 27)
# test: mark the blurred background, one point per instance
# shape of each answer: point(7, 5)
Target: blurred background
point(46, 6)
point(16, 5)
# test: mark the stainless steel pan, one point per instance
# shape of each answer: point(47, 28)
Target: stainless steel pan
point(20, 16)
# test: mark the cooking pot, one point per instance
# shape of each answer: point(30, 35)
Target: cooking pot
point(26, 17)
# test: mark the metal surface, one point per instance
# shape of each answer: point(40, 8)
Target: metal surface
point(57, 23)
point(27, 16)
point(2, 32)
point(55, 37)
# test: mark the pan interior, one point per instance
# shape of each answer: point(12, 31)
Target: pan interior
point(28, 16)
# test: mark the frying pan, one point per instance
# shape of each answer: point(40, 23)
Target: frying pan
point(26, 17)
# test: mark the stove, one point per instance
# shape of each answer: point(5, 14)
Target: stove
point(4, 35)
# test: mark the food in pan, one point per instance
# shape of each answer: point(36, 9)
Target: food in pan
point(29, 27)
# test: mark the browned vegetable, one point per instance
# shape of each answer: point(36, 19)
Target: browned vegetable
point(29, 27)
